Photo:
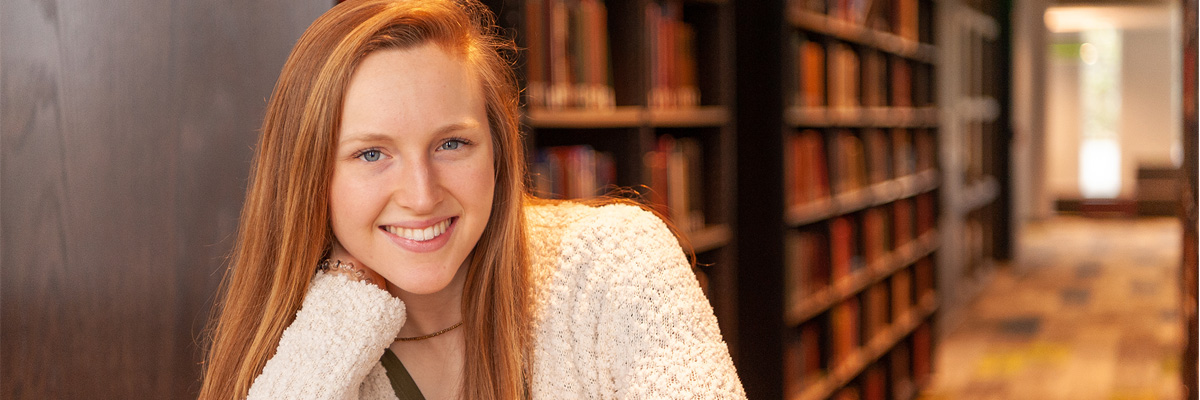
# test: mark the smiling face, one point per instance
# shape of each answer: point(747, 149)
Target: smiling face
point(413, 178)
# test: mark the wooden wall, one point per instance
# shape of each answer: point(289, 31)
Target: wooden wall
point(127, 135)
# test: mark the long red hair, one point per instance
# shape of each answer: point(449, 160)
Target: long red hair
point(284, 228)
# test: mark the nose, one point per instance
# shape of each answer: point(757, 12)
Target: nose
point(418, 188)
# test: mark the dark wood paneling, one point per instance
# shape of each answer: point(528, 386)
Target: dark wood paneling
point(127, 134)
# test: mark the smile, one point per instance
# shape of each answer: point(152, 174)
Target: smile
point(421, 235)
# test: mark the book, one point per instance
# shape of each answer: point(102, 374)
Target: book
point(903, 157)
point(845, 330)
point(807, 177)
point(807, 265)
point(922, 353)
point(924, 150)
point(905, 19)
point(843, 245)
point(672, 44)
point(879, 163)
point(876, 306)
point(802, 365)
point(926, 214)
point(677, 189)
point(902, 83)
point(874, 383)
point(902, 299)
point(874, 79)
point(844, 76)
point(572, 172)
point(902, 226)
point(852, 163)
point(901, 370)
point(810, 73)
point(874, 235)
point(923, 275)
point(568, 54)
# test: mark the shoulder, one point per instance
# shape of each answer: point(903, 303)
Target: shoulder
point(617, 243)
point(609, 220)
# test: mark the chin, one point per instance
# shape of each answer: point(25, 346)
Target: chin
point(414, 283)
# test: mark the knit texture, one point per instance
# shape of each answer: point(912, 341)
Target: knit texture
point(326, 352)
point(618, 314)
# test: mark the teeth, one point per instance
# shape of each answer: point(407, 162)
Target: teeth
point(421, 235)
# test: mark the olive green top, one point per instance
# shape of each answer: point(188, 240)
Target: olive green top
point(402, 382)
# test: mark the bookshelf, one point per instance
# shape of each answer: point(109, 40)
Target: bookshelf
point(636, 94)
point(840, 135)
point(974, 142)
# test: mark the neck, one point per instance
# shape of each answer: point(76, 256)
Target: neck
point(428, 313)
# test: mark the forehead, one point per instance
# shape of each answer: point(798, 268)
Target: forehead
point(411, 89)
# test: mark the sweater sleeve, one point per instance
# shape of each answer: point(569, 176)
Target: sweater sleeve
point(338, 335)
point(656, 331)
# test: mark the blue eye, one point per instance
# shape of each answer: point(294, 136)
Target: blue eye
point(370, 155)
point(452, 144)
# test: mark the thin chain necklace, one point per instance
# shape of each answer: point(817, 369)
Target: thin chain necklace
point(415, 338)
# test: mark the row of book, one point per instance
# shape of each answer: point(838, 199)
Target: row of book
point(836, 75)
point(900, 17)
point(815, 259)
point(821, 346)
point(676, 171)
point(572, 172)
point(672, 45)
point(569, 62)
point(868, 157)
point(674, 167)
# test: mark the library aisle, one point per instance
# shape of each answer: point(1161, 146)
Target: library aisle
point(1090, 311)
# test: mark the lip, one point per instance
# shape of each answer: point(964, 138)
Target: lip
point(421, 247)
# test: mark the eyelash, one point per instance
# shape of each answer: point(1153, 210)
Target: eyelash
point(363, 152)
point(463, 141)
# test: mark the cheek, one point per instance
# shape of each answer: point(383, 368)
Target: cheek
point(349, 204)
point(472, 183)
point(478, 185)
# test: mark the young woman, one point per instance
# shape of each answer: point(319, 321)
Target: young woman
point(387, 247)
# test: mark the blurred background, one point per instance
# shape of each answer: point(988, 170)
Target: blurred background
point(888, 199)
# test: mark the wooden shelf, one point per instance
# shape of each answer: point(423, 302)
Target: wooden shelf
point(618, 117)
point(688, 117)
point(854, 33)
point(866, 117)
point(843, 373)
point(709, 238)
point(630, 117)
point(861, 199)
point(877, 271)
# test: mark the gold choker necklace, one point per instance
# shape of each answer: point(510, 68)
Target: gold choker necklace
point(415, 338)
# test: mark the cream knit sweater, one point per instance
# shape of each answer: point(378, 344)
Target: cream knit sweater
point(617, 315)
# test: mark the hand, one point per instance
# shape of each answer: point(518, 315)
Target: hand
point(342, 263)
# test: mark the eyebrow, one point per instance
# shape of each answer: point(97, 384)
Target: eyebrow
point(380, 137)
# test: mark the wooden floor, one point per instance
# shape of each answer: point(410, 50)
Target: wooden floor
point(1088, 311)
